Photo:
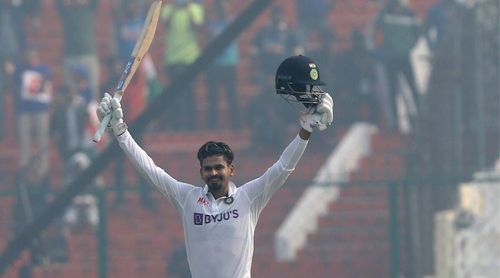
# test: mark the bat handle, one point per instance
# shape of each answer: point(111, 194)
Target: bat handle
point(105, 121)
point(102, 127)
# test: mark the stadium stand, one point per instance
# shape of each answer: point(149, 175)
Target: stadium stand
point(351, 240)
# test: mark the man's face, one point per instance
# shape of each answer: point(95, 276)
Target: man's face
point(216, 173)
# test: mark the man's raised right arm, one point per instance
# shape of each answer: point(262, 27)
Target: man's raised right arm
point(174, 190)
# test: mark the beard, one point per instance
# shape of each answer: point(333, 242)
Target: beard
point(214, 183)
point(214, 186)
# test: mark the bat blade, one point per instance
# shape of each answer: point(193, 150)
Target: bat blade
point(140, 49)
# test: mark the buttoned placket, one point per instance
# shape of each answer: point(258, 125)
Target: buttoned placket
point(214, 204)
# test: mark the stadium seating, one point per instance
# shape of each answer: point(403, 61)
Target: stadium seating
point(351, 241)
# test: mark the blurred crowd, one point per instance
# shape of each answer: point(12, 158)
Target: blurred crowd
point(363, 72)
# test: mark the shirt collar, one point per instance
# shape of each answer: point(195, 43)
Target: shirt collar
point(232, 188)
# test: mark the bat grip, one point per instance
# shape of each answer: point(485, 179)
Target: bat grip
point(102, 127)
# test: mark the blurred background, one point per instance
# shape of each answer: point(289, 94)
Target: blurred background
point(406, 183)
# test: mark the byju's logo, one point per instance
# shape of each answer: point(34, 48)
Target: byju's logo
point(200, 218)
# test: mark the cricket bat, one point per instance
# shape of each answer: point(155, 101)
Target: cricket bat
point(140, 49)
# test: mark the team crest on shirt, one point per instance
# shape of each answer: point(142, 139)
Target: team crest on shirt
point(202, 201)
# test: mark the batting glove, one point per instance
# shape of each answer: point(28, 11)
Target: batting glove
point(112, 106)
point(319, 116)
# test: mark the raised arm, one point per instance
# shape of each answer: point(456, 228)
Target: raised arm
point(260, 190)
point(174, 190)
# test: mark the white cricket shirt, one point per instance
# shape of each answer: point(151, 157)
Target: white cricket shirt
point(219, 234)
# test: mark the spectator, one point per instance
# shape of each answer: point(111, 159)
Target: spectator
point(397, 29)
point(436, 23)
point(6, 71)
point(34, 96)
point(154, 87)
point(68, 121)
point(13, 15)
point(273, 43)
point(75, 125)
point(313, 16)
point(267, 115)
point(114, 66)
point(128, 26)
point(183, 21)
point(81, 75)
point(13, 38)
point(222, 73)
point(355, 83)
point(79, 19)
point(83, 213)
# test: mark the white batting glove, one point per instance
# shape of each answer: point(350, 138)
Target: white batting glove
point(110, 105)
point(319, 116)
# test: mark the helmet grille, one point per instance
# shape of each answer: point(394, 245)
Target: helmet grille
point(306, 94)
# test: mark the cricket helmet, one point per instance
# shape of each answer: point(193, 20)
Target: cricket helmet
point(298, 79)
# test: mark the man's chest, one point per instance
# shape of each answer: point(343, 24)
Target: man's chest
point(205, 218)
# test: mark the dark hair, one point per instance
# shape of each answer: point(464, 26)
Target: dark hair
point(212, 148)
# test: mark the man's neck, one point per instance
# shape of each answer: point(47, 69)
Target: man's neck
point(220, 193)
